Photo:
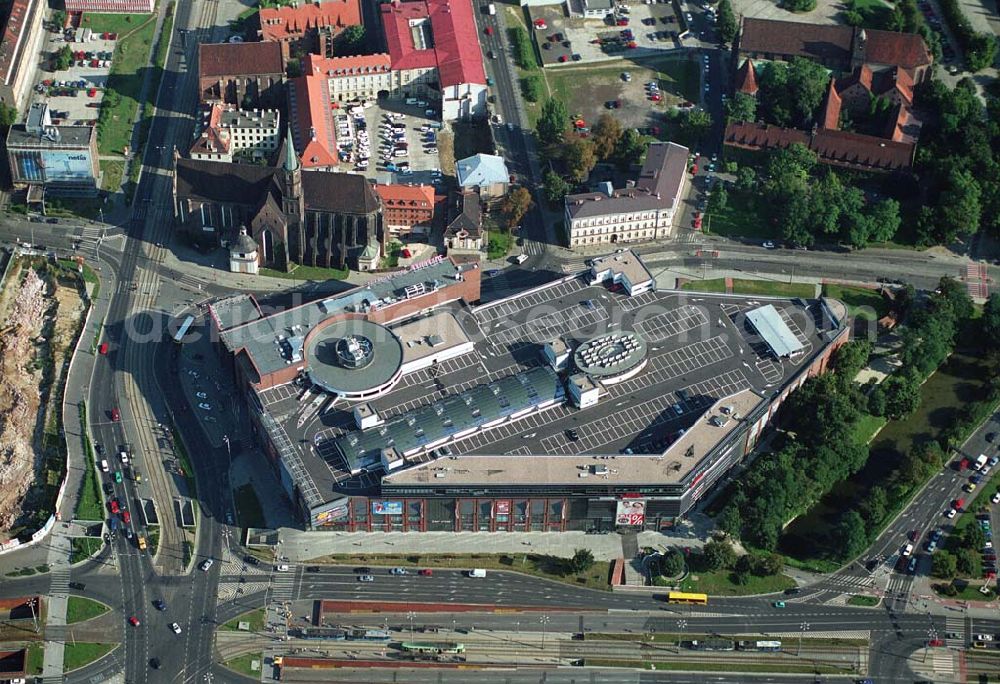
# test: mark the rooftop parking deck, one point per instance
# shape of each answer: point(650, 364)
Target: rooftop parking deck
point(702, 352)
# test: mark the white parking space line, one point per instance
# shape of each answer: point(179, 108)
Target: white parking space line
point(646, 298)
point(444, 368)
point(675, 364)
point(673, 322)
point(546, 296)
point(548, 326)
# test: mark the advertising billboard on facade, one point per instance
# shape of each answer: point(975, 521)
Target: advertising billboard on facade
point(501, 508)
point(387, 508)
point(630, 512)
point(335, 510)
point(53, 166)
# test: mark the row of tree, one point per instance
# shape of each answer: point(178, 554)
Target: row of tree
point(980, 48)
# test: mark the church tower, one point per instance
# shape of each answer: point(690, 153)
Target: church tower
point(858, 48)
point(293, 203)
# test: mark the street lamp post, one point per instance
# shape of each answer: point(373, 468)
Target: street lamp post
point(410, 615)
point(544, 620)
point(34, 615)
point(803, 628)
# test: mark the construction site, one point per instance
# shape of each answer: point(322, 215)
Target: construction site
point(42, 308)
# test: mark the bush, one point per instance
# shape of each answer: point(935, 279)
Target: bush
point(524, 55)
point(799, 5)
point(532, 87)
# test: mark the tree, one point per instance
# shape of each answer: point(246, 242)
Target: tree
point(555, 187)
point(552, 122)
point(974, 538)
point(991, 321)
point(719, 555)
point(877, 401)
point(967, 562)
point(605, 135)
point(746, 180)
point(350, 41)
point(790, 93)
point(943, 565)
point(902, 396)
point(630, 149)
point(883, 221)
point(741, 108)
point(578, 155)
point(8, 115)
point(64, 58)
point(672, 564)
point(696, 124)
point(582, 561)
point(725, 24)
point(850, 358)
point(718, 200)
point(532, 87)
point(799, 5)
point(59, 19)
point(850, 536)
point(876, 506)
point(517, 203)
point(730, 521)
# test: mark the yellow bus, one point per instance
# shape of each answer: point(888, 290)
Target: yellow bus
point(687, 599)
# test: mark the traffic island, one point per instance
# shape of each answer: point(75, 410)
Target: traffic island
point(81, 654)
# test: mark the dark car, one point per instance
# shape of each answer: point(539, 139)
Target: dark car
point(572, 435)
point(312, 568)
point(99, 448)
point(79, 586)
point(792, 592)
point(52, 220)
point(363, 570)
point(252, 560)
point(154, 663)
point(109, 488)
point(159, 604)
point(990, 436)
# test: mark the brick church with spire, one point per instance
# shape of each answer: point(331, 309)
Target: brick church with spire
point(315, 218)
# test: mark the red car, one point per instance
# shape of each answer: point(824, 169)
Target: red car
point(488, 30)
point(426, 572)
point(936, 642)
point(103, 349)
point(959, 503)
point(622, 22)
point(115, 415)
point(654, 98)
point(126, 517)
point(114, 506)
point(134, 621)
point(563, 58)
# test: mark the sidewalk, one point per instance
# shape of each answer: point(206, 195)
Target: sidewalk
point(301, 546)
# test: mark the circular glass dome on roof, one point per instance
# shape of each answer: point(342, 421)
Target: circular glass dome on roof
point(354, 358)
point(611, 355)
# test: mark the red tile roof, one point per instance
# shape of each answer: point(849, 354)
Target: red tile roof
point(831, 108)
point(406, 196)
point(345, 66)
point(746, 79)
point(832, 44)
point(230, 59)
point(312, 127)
point(212, 140)
point(14, 35)
point(907, 50)
point(839, 148)
point(447, 39)
point(283, 23)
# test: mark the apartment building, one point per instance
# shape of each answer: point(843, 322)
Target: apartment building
point(405, 207)
point(230, 134)
point(643, 210)
point(22, 37)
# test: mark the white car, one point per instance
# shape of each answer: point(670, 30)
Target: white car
point(204, 406)
point(174, 626)
point(201, 395)
point(950, 513)
point(983, 637)
point(996, 498)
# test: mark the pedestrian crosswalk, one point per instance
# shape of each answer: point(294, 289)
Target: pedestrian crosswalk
point(283, 585)
point(59, 576)
point(955, 626)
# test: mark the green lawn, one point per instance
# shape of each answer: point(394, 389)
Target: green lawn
point(865, 601)
point(112, 172)
point(391, 260)
point(551, 567)
point(248, 510)
point(807, 666)
point(499, 244)
point(307, 273)
point(241, 664)
point(868, 427)
point(968, 592)
point(715, 285)
point(112, 23)
point(861, 302)
point(753, 287)
point(79, 609)
point(82, 653)
point(720, 583)
point(84, 547)
point(88, 505)
point(131, 59)
point(254, 617)
point(36, 659)
point(182, 456)
point(740, 218)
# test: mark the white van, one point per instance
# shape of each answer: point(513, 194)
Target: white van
point(281, 568)
point(521, 258)
point(477, 572)
point(907, 550)
point(124, 457)
point(104, 466)
point(411, 100)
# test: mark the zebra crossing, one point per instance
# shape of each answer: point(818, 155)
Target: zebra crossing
point(955, 625)
point(283, 585)
point(60, 580)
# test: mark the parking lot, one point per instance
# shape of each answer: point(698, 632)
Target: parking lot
point(75, 95)
point(637, 30)
point(390, 138)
